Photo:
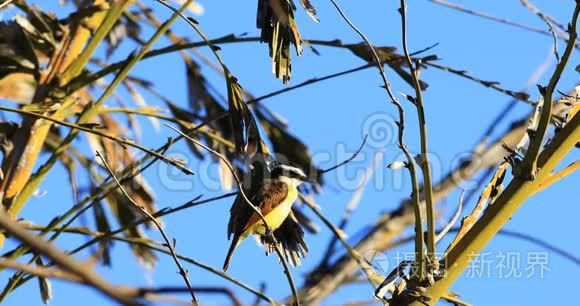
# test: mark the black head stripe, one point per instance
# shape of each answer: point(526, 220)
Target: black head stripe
point(277, 172)
point(294, 174)
point(278, 169)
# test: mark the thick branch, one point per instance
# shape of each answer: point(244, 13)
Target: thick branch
point(498, 214)
point(63, 260)
point(390, 225)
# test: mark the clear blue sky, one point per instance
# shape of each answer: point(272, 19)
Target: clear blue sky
point(330, 117)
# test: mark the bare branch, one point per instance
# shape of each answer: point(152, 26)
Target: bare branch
point(402, 146)
point(529, 167)
point(365, 266)
point(63, 260)
point(344, 162)
point(494, 18)
point(169, 244)
point(535, 10)
point(350, 207)
point(432, 262)
point(453, 220)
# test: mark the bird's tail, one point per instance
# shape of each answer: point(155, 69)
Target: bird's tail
point(233, 246)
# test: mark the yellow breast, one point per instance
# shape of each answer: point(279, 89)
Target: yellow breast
point(277, 216)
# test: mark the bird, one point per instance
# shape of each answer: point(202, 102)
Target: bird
point(274, 195)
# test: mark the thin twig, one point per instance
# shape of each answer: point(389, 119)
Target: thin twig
point(351, 206)
point(362, 262)
point(528, 168)
point(193, 23)
point(520, 96)
point(371, 46)
point(219, 290)
point(262, 289)
point(554, 36)
point(432, 262)
point(453, 220)
point(493, 18)
point(170, 245)
point(346, 161)
point(514, 234)
point(509, 233)
point(552, 24)
point(542, 243)
point(503, 114)
point(402, 146)
point(527, 4)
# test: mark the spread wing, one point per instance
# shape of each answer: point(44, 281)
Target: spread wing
point(290, 237)
point(267, 197)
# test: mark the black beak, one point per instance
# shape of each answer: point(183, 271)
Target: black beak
point(308, 179)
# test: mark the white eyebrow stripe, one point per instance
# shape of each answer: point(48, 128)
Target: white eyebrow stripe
point(292, 169)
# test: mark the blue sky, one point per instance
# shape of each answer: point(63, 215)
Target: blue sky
point(330, 117)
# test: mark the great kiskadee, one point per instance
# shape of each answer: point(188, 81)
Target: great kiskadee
point(274, 196)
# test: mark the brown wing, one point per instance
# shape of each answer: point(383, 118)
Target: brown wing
point(267, 197)
point(290, 237)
